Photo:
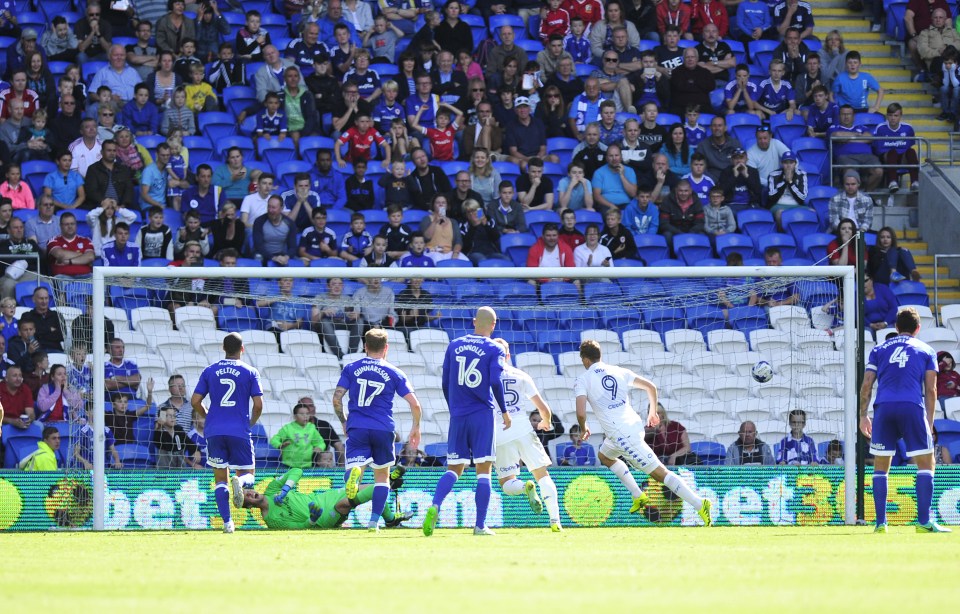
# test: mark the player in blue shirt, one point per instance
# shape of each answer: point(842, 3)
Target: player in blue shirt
point(905, 370)
point(471, 382)
point(233, 387)
point(369, 425)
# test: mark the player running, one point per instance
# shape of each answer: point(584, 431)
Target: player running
point(233, 386)
point(472, 367)
point(607, 388)
point(905, 370)
point(519, 442)
point(283, 507)
point(372, 382)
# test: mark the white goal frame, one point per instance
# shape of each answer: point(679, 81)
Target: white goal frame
point(103, 275)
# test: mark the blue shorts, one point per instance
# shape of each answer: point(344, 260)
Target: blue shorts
point(472, 436)
point(227, 451)
point(369, 447)
point(892, 421)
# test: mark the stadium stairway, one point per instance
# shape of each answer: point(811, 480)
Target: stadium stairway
point(884, 59)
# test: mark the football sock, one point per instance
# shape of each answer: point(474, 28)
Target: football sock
point(513, 487)
point(444, 486)
point(222, 494)
point(246, 480)
point(924, 495)
point(680, 488)
point(482, 499)
point(380, 493)
point(363, 495)
point(548, 493)
point(880, 495)
point(619, 468)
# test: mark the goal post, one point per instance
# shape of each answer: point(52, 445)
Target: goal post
point(533, 321)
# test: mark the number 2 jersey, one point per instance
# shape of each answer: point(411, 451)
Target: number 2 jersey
point(518, 388)
point(607, 389)
point(231, 384)
point(472, 368)
point(901, 365)
point(371, 384)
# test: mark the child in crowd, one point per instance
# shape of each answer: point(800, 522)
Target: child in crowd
point(395, 190)
point(172, 443)
point(83, 451)
point(616, 237)
point(79, 87)
point(575, 43)
point(227, 70)
point(178, 116)
point(575, 189)
point(359, 189)
point(271, 122)
point(416, 256)
point(797, 448)
point(104, 98)
point(382, 40)
point(396, 232)
point(700, 182)
point(357, 243)
point(642, 216)
point(948, 380)
point(577, 453)
point(950, 90)
point(360, 140)
point(470, 68)
point(569, 233)
point(443, 137)
point(401, 143)
point(776, 95)
point(251, 39)
point(187, 60)
point(9, 324)
point(191, 231)
point(200, 96)
point(695, 132)
point(176, 168)
point(718, 217)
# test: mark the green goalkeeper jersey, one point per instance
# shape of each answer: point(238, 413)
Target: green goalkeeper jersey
point(294, 512)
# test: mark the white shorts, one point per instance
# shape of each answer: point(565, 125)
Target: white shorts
point(633, 449)
point(527, 448)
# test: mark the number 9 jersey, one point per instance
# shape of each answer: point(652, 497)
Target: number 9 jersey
point(607, 389)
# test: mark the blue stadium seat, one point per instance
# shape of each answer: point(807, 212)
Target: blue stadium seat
point(907, 293)
point(286, 170)
point(437, 450)
point(201, 151)
point(668, 262)
point(691, 247)
point(236, 319)
point(237, 98)
point(711, 262)
point(24, 293)
point(755, 223)
point(601, 292)
point(516, 293)
point(537, 219)
point(624, 263)
point(705, 318)
point(519, 28)
point(559, 293)
point(516, 246)
point(497, 263)
point(275, 152)
point(224, 143)
point(799, 222)
point(788, 131)
point(621, 319)
point(746, 319)
point(134, 456)
point(557, 342)
point(309, 145)
point(709, 452)
point(815, 246)
point(786, 243)
point(455, 264)
point(735, 242)
point(216, 125)
point(20, 442)
point(663, 320)
point(469, 293)
point(540, 320)
point(651, 248)
point(869, 120)
point(816, 293)
point(34, 171)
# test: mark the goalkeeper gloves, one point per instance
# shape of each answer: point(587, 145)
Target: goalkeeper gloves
point(315, 513)
point(283, 494)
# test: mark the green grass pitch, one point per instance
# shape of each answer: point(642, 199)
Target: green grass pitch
point(772, 569)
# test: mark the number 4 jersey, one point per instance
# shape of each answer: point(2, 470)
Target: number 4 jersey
point(231, 384)
point(471, 368)
point(901, 365)
point(371, 384)
point(607, 389)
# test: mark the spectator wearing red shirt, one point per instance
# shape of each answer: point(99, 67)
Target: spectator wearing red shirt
point(16, 398)
point(444, 135)
point(948, 380)
point(549, 251)
point(70, 254)
point(569, 234)
point(710, 11)
point(554, 20)
point(670, 442)
point(359, 140)
point(674, 13)
point(18, 91)
point(590, 11)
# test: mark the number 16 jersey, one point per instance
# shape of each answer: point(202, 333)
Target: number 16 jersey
point(607, 389)
point(231, 385)
point(471, 368)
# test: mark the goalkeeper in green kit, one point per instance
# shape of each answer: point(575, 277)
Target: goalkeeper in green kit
point(283, 507)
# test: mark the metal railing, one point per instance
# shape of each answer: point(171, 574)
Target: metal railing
point(936, 282)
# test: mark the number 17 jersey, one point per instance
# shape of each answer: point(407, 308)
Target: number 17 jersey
point(231, 385)
point(607, 389)
point(371, 384)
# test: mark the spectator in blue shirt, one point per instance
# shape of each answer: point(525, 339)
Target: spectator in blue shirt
point(754, 22)
point(119, 251)
point(797, 448)
point(329, 184)
point(286, 313)
point(853, 87)
point(120, 374)
point(140, 115)
point(65, 186)
point(232, 177)
point(578, 453)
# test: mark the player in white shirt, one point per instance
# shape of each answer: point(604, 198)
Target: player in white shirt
point(607, 389)
point(519, 442)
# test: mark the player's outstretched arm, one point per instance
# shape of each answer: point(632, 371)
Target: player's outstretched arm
point(417, 412)
point(546, 416)
point(866, 391)
point(653, 419)
point(582, 417)
point(287, 482)
point(197, 402)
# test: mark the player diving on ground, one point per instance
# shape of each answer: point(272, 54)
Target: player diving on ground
point(284, 507)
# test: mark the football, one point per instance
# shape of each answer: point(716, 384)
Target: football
point(762, 372)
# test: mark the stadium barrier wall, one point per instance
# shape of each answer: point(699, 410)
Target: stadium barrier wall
point(181, 500)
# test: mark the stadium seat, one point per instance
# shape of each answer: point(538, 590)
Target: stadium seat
point(558, 341)
point(734, 242)
point(940, 339)
point(705, 318)
point(709, 452)
point(799, 222)
point(785, 242)
point(684, 340)
point(536, 364)
point(275, 152)
point(651, 248)
point(762, 340)
point(237, 319)
point(537, 219)
point(608, 340)
point(34, 172)
point(789, 318)
point(663, 320)
point(217, 125)
point(237, 98)
point(756, 223)
point(516, 293)
point(815, 246)
point(907, 293)
point(727, 341)
point(744, 127)
point(134, 456)
point(595, 293)
point(497, 21)
point(559, 293)
point(640, 341)
point(788, 131)
point(747, 319)
point(691, 247)
point(516, 246)
point(24, 292)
